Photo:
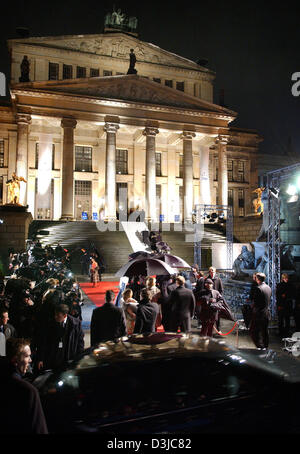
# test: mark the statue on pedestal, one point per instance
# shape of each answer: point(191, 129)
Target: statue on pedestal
point(257, 203)
point(14, 189)
point(245, 260)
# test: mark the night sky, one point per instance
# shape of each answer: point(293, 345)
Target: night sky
point(253, 48)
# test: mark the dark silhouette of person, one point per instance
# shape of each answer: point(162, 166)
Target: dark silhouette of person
point(132, 59)
point(24, 70)
point(108, 321)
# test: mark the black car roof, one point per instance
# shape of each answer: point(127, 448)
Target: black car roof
point(165, 345)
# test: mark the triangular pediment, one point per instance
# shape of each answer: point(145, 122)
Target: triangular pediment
point(129, 88)
point(116, 45)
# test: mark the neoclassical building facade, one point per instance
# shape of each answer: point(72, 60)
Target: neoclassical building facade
point(82, 131)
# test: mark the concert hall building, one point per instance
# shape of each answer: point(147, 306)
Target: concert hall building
point(82, 129)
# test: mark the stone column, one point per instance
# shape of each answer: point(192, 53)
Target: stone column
point(150, 133)
point(221, 142)
point(188, 187)
point(23, 121)
point(110, 170)
point(44, 172)
point(204, 180)
point(67, 186)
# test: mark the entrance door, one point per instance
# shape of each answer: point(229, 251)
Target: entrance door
point(83, 200)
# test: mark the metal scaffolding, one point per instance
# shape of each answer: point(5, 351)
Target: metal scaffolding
point(222, 211)
point(273, 181)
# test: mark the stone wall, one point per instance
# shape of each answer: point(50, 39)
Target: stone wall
point(14, 228)
point(245, 230)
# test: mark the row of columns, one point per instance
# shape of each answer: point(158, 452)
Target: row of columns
point(150, 131)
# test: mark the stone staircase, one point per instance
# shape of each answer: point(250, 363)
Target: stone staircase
point(114, 246)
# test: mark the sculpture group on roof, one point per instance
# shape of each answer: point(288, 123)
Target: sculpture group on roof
point(117, 19)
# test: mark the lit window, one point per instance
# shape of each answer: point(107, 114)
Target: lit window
point(83, 187)
point(83, 158)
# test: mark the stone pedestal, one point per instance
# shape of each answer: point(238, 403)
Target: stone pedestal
point(14, 226)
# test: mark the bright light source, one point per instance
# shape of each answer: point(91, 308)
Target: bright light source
point(298, 182)
point(292, 190)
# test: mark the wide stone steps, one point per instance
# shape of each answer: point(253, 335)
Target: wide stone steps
point(114, 246)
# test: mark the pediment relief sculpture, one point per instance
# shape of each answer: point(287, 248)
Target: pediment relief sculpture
point(130, 89)
point(118, 46)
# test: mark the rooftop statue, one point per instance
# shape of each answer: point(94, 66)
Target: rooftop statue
point(132, 57)
point(25, 66)
point(14, 189)
point(119, 20)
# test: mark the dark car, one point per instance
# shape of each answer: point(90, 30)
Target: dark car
point(173, 383)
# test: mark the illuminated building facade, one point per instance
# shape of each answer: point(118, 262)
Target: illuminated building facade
point(82, 130)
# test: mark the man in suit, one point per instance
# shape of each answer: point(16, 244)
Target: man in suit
point(63, 340)
point(182, 308)
point(147, 313)
point(260, 313)
point(108, 321)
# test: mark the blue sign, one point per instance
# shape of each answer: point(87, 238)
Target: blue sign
point(95, 216)
point(177, 217)
point(161, 218)
point(84, 216)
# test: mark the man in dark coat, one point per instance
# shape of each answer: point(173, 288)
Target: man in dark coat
point(260, 313)
point(217, 285)
point(108, 321)
point(217, 282)
point(146, 315)
point(6, 328)
point(21, 409)
point(285, 296)
point(62, 341)
point(182, 302)
point(210, 303)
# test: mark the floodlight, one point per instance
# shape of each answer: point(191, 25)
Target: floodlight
point(291, 190)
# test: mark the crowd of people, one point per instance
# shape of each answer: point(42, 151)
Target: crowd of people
point(41, 315)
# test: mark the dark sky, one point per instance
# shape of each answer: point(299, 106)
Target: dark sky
point(253, 48)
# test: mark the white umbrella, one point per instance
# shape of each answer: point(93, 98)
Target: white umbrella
point(144, 267)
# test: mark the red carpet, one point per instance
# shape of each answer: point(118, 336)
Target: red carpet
point(97, 294)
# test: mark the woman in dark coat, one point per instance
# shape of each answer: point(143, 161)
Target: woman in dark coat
point(94, 272)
